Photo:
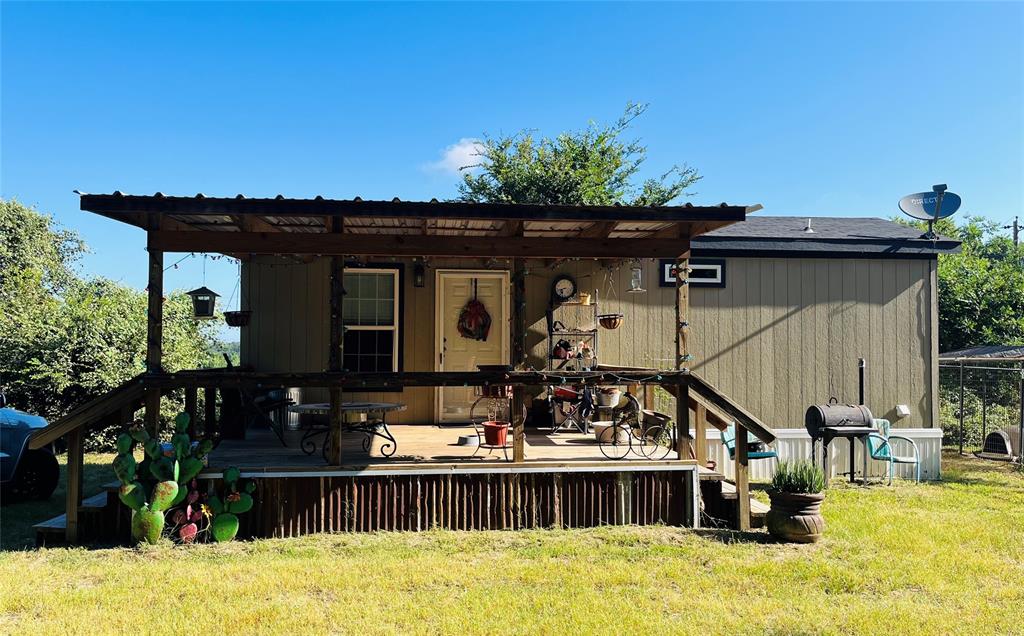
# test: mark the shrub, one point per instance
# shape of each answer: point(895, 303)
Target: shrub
point(798, 477)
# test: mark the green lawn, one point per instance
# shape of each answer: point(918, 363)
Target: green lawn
point(933, 559)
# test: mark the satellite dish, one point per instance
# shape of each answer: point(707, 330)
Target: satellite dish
point(930, 206)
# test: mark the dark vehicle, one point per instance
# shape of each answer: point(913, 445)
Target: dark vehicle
point(24, 473)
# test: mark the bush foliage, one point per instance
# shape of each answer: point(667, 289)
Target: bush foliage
point(64, 338)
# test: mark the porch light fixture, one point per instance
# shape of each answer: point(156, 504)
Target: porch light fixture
point(419, 275)
point(203, 302)
point(636, 279)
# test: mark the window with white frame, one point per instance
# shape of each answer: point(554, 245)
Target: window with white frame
point(371, 319)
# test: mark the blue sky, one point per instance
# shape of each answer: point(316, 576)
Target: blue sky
point(809, 109)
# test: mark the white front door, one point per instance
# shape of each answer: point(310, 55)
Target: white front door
point(455, 352)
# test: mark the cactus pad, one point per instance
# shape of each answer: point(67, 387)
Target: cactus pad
point(238, 503)
point(125, 468)
point(147, 525)
point(163, 495)
point(125, 443)
point(189, 468)
point(224, 527)
point(132, 495)
point(181, 421)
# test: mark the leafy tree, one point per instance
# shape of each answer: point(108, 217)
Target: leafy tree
point(65, 339)
point(593, 166)
point(981, 289)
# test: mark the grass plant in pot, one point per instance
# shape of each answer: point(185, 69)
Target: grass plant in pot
point(796, 493)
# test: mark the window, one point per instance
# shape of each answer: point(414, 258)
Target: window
point(704, 272)
point(371, 319)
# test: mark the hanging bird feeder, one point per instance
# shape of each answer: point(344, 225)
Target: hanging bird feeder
point(636, 279)
point(204, 301)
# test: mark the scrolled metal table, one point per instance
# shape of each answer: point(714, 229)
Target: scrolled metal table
point(372, 427)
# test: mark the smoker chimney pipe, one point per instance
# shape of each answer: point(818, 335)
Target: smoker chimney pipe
point(861, 366)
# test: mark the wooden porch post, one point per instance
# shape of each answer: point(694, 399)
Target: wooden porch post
point(154, 333)
point(700, 432)
point(336, 357)
point(73, 496)
point(518, 349)
point(742, 480)
point(210, 407)
point(192, 408)
point(682, 351)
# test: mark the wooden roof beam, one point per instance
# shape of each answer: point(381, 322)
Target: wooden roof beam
point(402, 245)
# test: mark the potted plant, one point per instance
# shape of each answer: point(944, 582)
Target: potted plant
point(796, 493)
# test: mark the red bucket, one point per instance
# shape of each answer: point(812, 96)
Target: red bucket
point(495, 433)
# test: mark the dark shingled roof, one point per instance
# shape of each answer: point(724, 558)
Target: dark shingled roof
point(991, 353)
point(837, 237)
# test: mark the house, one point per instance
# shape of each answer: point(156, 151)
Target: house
point(355, 302)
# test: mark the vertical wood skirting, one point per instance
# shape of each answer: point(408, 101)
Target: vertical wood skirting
point(742, 481)
point(290, 506)
point(73, 496)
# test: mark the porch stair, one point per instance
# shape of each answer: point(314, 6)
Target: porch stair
point(101, 518)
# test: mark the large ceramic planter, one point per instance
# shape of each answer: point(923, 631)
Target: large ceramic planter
point(796, 517)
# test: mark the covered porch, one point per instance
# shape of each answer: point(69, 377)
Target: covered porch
point(340, 230)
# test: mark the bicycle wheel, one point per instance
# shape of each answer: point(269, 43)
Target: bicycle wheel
point(614, 441)
point(655, 442)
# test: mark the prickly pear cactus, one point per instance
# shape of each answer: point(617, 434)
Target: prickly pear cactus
point(160, 481)
point(237, 500)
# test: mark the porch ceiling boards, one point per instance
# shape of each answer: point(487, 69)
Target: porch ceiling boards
point(354, 227)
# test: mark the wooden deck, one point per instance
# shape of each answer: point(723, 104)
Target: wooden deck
point(417, 444)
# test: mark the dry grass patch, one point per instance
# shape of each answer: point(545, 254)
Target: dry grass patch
point(935, 558)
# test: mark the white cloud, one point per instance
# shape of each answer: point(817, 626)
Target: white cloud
point(464, 152)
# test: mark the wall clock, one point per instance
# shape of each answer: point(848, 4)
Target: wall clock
point(563, 288)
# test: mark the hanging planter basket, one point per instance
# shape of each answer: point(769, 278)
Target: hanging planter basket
point(610, 321)
point(237, 318)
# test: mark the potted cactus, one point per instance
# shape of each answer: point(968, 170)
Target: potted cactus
point(237, 499)
point(796, 493)
point(152, 486)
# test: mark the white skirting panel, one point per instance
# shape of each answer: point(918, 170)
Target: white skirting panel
point(795, 443)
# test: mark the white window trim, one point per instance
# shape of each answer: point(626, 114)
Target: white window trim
point(393, 327)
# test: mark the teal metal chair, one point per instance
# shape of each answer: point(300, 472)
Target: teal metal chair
point(729, 441)
point(880, 449)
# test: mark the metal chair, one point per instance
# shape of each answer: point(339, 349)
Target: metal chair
point(879, 447)
point(729, 441)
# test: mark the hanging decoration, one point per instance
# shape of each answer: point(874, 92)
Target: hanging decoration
point(474, 321)
point(636, 279)
point(203, 302)
point(204, 299)
point(238, 317)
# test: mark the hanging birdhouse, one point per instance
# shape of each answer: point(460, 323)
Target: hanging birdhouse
point(203, 302)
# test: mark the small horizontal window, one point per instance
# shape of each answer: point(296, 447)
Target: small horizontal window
point(704, 272)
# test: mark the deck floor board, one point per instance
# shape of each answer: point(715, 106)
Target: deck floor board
point(416, 444)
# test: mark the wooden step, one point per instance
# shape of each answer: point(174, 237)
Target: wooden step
point(52, 530)
point(758, 510)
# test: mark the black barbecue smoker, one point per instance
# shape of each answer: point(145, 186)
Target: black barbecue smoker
point(826, 422)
